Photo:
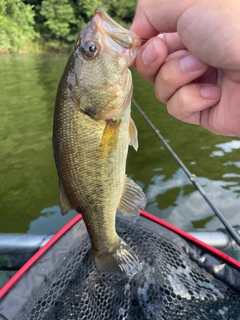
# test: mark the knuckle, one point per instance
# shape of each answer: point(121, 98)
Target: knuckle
point(166, 75)
point(184, 97)
point(182, 103)
point(165, 84)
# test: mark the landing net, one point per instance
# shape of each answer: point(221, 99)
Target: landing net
point(177, 280)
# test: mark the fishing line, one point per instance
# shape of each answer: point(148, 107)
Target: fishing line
point(191, 177)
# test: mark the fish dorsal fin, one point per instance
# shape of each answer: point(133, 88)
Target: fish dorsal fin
point(63, 200)
point(133, 134)
point(133, 198)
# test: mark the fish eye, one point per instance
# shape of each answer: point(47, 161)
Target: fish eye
point(90, 49)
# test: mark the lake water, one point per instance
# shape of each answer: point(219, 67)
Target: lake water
point(28, 179)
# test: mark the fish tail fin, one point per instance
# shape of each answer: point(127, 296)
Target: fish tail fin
point(121, 259)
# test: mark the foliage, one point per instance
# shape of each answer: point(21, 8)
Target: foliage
point(122, 11)
point(86, 8)
point(16, 26)
point(59, 16)
point(57, 21)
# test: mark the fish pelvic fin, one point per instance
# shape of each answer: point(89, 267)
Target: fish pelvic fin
point(121, 260)
point(133, 198)
point(65, 205)
point(133, 134)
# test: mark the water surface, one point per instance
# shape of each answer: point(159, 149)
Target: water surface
point(28, 179)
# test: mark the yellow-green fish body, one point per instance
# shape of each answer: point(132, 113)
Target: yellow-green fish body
point(91, 134)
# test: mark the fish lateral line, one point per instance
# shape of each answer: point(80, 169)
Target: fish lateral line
point(110, 137)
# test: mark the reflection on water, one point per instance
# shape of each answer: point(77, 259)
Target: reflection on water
point(48, 221)
point(229, 146)
point(28, 180)
point(226, 147)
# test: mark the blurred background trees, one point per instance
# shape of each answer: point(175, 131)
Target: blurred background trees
point(53, 25)
point(16, 26)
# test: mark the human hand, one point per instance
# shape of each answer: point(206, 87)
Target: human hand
point(195, 64)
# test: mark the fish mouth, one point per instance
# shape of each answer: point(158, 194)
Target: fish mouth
point(123, 37)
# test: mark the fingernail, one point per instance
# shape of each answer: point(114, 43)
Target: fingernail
point(150, 54)
point(191, 63)
point(210, 92)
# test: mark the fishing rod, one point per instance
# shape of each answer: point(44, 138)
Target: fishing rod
point(192, 177)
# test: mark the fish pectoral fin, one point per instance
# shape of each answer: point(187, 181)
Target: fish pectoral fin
point(110, 137)
point(120, 259)
point(133, 134)
point(133, 198)
point(65, 205)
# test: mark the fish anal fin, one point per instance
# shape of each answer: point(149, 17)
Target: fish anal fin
point(133, 198)
point(133, 134)
point(121, 259)
point(63, 200)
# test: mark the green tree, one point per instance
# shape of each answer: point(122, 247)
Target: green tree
point(16, 26)
point(85, 8)
point(122, 11)
point(59, 19)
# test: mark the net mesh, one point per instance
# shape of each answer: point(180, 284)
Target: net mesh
point(169, 285)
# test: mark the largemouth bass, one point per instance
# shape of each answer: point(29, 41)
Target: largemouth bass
point(91, 133)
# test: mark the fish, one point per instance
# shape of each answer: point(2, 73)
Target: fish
point(92, 130)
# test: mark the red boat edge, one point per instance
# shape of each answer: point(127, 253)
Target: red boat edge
point(37, 255)
point(5, 289)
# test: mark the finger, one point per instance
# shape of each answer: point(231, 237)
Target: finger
point(173, 41)
point(211, 76)
point(154, 16)
point(191, 19)
point(151, 56)
point(176, 73)
point(189, 101)
point(175, 54)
